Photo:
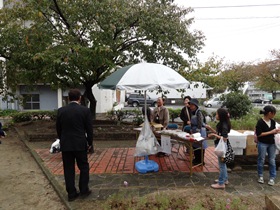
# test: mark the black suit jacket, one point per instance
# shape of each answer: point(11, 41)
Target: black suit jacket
point(74, 127)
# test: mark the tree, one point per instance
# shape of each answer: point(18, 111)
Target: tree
point(205, 72)
point(235, 75)
point(268, 73)
point(63, 44)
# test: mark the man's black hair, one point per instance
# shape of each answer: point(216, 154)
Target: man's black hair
point(74, 94)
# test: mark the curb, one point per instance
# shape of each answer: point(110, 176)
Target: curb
point(272, 202)
point(55, 184)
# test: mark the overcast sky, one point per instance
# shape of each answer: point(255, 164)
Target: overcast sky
point(241, 33)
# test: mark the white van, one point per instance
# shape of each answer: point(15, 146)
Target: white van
point(213, 102)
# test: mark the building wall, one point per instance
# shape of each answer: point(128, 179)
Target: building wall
point(7, 103)
point(104, 98)
point(48, 97)
point(256, 93)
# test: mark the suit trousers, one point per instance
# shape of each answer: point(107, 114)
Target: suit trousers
point(68, 159)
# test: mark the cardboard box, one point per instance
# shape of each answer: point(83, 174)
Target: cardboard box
point(251, 150)
point(156, 126)
point(250, 141)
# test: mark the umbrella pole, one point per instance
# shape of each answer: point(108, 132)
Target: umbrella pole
point(145, 104)
point(145, 107)
point(146, 159)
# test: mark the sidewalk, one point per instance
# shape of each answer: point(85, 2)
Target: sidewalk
point(110, 167)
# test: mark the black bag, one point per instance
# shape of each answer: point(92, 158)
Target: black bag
point(229, 157)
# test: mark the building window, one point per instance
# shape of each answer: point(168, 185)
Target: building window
point(31, 101)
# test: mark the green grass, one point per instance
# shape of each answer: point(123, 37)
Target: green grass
point(247, 122)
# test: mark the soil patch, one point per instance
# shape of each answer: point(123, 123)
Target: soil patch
point(22, 184)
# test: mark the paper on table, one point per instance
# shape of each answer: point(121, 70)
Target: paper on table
point(197, 137)
point(166, 144)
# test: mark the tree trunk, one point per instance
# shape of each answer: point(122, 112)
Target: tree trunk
point(92, 101)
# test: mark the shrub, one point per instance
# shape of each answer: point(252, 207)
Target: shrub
point(34, 115)
point(174, 113)
point(7, 112)
point(276, 101)
point(22, 117)
point(237, 104)
point(121, 115)
point(248, 121)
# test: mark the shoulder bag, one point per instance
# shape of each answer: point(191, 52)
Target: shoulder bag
point(229, 156)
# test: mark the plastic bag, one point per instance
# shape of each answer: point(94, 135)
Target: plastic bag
point(277, 141)
point(55, 147)
point(147, 143)
point(220, 149)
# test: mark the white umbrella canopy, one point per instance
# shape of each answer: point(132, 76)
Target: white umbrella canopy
point(145, 76)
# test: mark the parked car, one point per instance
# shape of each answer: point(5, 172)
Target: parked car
point(261, 101)
point(257, 101)
point(213, 102)
point(136, 99)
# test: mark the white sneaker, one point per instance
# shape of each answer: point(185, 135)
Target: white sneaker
point(260, 180)
point(271, 182)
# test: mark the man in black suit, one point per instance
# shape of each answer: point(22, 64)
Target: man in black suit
point(74, 129)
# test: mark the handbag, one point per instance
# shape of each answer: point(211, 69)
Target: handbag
point(230, 154)
point(220, 149)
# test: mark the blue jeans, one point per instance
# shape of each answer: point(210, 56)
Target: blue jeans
point(223, 176)
point(270, 149)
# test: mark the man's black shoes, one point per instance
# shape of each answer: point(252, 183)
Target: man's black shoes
point(86, 194)
point(74, 197)
point(82, 196)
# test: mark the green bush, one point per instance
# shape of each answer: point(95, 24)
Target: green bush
point(22, 117)
point(174, 113)
point(33, 115)
point(121, 115)
point(7, 112)
point(248, 121)
point(238, 104)
point(276, 101)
